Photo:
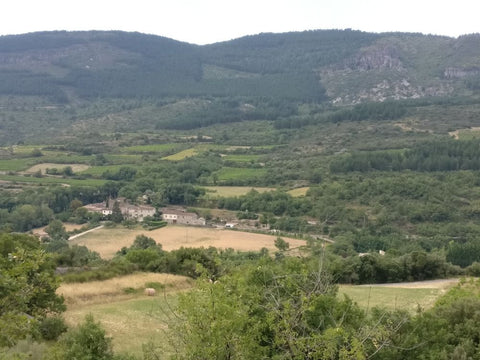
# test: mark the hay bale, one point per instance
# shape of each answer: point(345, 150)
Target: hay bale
point(149, 291)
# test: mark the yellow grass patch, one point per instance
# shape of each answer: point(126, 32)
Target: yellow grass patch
point(44, 166)
point(108, 241)
point(299, 191)
point(68, 226)
point(182, 155)
point(230, 191)
point(106, 291)
point(131, 320)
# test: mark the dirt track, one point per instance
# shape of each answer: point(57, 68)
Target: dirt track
point(427, 284)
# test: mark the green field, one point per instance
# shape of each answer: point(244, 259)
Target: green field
point(154, 148)
point(391, 298)
point(52, 180)
point(17, 164)
point(230, 173)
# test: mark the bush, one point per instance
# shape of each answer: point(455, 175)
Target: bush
point(52, 327)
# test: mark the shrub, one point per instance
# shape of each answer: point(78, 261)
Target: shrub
point(52, 327)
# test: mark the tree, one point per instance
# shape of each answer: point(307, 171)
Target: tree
point(117, 216)
point(87, 342)
point(56, 231)
point(28, 285)
point(281, 244)
point(143, 242)
point(276, 310)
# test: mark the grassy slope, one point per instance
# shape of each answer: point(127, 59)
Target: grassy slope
point(132, 319)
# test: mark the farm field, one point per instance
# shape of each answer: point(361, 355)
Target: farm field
point(130, 317)
point(44, 166)
point(17, 164)
point(52, 180)
point(229, 191)
point(153, 148)
point(299, 191)
point(124, 313)
point(182, 155)
point(108, 241)
point(406, 296)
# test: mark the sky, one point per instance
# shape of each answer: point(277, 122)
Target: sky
point(208, 21)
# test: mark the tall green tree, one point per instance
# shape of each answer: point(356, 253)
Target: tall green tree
point(27, 287)
point(117, 216)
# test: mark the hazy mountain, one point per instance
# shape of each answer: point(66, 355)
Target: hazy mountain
point(350, 65)
point(65, 69)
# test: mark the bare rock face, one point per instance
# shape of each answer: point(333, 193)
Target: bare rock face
point(379, 57)
point(460, 73)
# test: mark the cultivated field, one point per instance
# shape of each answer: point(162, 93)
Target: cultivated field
point(131, 318)
point(182, 155)
point(108, 241)
point(405, 296)
point(230, 191)
point(44, 166)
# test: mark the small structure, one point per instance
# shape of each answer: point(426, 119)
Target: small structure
point(181, 216)
point(129, 211)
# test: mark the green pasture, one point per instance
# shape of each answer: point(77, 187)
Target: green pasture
point(392, 298)
point(153, 148)
point(51, 180)
point(17, 164)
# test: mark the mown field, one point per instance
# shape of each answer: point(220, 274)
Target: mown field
point(230, 191)
point(127, 315)
point(42, 167)
point(182, 155)
point(404, 296)
point(107, 241)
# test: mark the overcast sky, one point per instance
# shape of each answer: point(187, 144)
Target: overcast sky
point(208, 21)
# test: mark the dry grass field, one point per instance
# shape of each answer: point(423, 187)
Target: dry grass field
point(108, 241)
point(130, 319)
point(230, 191)
point(44, 166)
point(181, 155)
point(119, 288)
point(68, 226)
point(299, 191)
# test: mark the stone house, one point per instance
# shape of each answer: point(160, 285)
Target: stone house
point(129, 211)
point(181, 216)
